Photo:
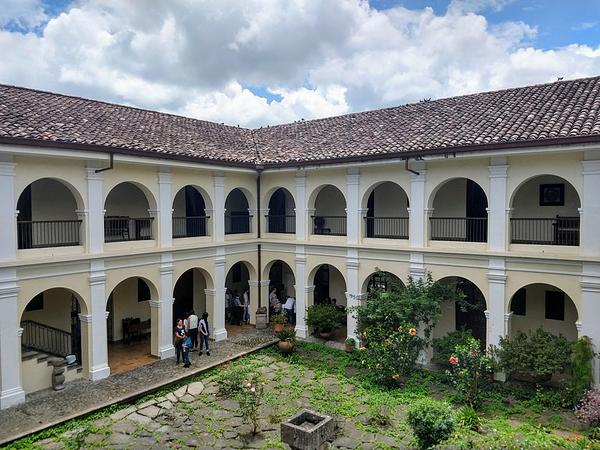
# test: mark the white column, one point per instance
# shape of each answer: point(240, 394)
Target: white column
point(352, 290)
point(301, 304)
point(497, 218)
point(165, 209)
point(496, 300)
point(11, 391)
point(95, 211)
point(417, 266)
point(353, 206)
point(95, 323)
point(8, 215)
point(164, 310)
point(590, 311)
point(220, 333)
point(218, 218)
point(417, 217)
point(301, 212)
point(590, 206)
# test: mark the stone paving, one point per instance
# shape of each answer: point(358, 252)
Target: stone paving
point(48, 407)
point(198, 416)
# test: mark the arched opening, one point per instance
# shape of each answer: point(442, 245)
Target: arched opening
point(330, 289)
point(128, 326)
point(189, 295)
point(189, 213)
point(546, 306)
point(237, 215)
point(330, 212)
point(387, 212)
point(545, 211)
point(383, 281)
point(282, 279)
point(48, 215)
point(237, 292)
point(51, 328)
point(282, 212)
point(459, 212)
point(465, 314)
point(127, 216)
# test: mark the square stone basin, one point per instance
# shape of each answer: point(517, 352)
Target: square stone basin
point(307, 430)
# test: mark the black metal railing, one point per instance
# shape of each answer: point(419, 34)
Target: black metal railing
point(329, 225)
point(190, 226)
point(43, 338)
point(543, 231)
point(463, 229)
point(237, 224)
point(48, 233)
point(281, 223)
point(127, 229)
point(387, 227)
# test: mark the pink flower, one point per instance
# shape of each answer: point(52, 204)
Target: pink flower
point(453, 360)
point(248, 385)
point(253, 390)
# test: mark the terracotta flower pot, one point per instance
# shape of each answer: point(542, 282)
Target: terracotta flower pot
point(277, 328)
point(286, 347)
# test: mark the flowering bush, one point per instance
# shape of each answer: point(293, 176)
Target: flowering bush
point(250, 399)
point(588, 410)
point(387, 325)
point(431, 421)
point(470, 368)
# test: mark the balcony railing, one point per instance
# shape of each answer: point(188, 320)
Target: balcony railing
point(462, 229)
point(193, 226)
point(387, 227)
point(552, 231)
point(281, 223)
point(329, 225)
point(127, 229)
point(48, 233)
point(237, 224)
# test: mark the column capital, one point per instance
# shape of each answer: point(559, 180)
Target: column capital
point(309, 289)
point(487, 314)
point(85, 318)
point(9, 292)
point(352, 263)
point(352, 179)
point(166, 269)
point(591, 167)
point(498, 171)
point(590, 286)
point(508, 316)
point(509, 211)
point(91, 175)
point(300, 259)
point(97, 278)
point(219, 180)
point(496, 278)
point(579, 326)
point(106, 314)
point(155, 303)
point(20, 332)
point(7, 169)
point(164, 177)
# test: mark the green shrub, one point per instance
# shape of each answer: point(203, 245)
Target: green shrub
point(233, 379)
point(444, 347)
point(379, 416)
point(470, 370)
point(279, 319)
point(537, 354)
point(581, 368)
point(387, 323)
point(323, 318)
point(431, 421)
point(250, 398)
point(468, 418)
point(287, 335)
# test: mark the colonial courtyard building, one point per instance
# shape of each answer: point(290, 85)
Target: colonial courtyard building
point(116, 220)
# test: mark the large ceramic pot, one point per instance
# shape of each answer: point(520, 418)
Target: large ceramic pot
point(286, 347)
point(277, 328)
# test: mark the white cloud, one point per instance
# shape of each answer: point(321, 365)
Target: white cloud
point(193, 57)
point(24, 14)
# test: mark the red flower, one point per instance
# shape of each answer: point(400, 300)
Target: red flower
point(453, 360)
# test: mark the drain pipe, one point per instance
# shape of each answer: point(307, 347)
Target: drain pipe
point(408, 169)
point(111, 164)
point(259, 169)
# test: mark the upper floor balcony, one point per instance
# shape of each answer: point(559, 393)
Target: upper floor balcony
point(282, 213)
point(189, 213)
point(329, 216)
point(386, 212)
point(238, 219)
point(127, 214)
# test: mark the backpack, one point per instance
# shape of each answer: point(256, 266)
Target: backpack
point(187, 342)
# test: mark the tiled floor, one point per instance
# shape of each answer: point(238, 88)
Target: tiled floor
point(125, 357)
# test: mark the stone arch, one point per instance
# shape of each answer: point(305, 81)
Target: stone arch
point(369, 281)
point(119, 187)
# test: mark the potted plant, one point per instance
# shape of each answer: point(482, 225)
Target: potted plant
point(287, 341)
point(323, 319)
point(350, 344)
point(279, 322)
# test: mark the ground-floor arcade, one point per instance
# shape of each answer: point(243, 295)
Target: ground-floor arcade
point(93, 304)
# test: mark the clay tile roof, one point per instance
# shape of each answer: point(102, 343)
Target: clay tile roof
point(562, 112)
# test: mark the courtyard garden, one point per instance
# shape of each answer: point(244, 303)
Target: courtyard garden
point(378, 394)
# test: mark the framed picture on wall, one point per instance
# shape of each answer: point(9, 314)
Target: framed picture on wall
point(552, 194)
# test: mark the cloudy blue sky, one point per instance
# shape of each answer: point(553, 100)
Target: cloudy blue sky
point(259, 62)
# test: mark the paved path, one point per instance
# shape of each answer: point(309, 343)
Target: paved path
point(48, 407)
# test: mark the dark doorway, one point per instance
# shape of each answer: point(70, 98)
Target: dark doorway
point(476, 213)
point(194, 208)
point(184, 295)
point(75, 329)
point(276, 278)
point(322, 284)
point(470, 312)
point(371, 213)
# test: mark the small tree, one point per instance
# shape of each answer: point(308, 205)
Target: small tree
point(388, 322)
point(581, 368)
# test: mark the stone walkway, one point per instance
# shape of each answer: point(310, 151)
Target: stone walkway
point(197, 416)
point(48, 407)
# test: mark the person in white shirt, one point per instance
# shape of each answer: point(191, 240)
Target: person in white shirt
point(274, 301)
point(246, 314)
point(288, 307)
point(193, 329)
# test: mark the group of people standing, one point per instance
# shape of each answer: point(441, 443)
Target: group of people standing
point(190, 332)
point(288, 307)
point(237, 308)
